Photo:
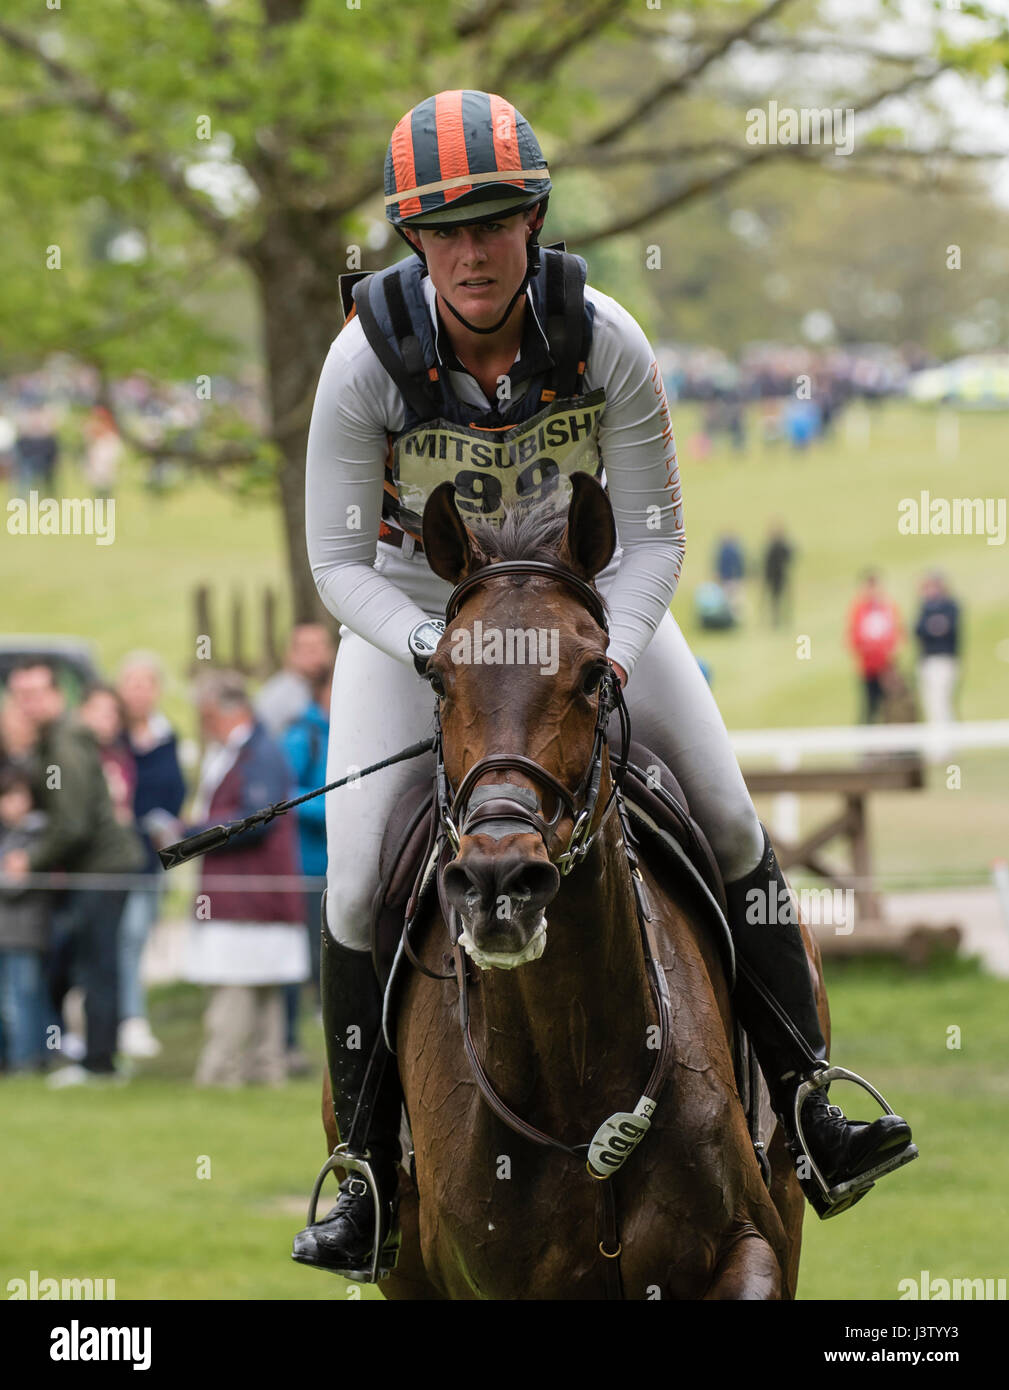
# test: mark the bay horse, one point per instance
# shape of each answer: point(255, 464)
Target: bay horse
point(568, 1036)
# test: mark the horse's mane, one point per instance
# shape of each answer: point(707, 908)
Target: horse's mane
point(526, 533)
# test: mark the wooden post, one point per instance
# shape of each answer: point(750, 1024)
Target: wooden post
point(271, 656)
point(204, 624)
point(238, 662)
point(868, 906)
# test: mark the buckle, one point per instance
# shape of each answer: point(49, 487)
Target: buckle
point(357, 1187)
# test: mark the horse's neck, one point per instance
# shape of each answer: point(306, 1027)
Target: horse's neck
point(578, 1015)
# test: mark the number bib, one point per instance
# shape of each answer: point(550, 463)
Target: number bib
point(492, 469)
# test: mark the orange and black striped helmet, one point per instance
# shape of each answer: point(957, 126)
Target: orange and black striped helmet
point(460, 158)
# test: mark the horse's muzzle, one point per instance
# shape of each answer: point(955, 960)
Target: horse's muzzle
point(500, 893)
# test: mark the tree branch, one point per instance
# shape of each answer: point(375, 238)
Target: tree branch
point(687, 76)
point(85, 96)
point(165, 449)
point(546, 56)
point(709, 183)
point(480, 22)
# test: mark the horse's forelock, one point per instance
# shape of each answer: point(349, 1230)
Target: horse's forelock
point(526, 533)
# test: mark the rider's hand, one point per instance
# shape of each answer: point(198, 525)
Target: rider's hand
point(621, 673)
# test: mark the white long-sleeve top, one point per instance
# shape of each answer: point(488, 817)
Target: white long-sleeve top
point(357, 406)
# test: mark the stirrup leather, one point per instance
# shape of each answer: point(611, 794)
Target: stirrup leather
point(830, 1201)
point(385, 1256)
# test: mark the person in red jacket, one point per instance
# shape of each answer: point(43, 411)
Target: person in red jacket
point(874, 634)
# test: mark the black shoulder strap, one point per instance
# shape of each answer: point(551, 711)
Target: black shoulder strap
point(565, 313)
point(411, 388)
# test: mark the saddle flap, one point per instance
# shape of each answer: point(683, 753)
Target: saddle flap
point(404, 843)
point(650, 785)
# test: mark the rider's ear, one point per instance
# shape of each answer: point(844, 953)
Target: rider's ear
point(450, 549)
point(591, 537)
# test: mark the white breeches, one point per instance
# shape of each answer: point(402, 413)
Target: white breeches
point(379, 706)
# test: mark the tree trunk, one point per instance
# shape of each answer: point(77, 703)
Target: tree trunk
point(301, 314)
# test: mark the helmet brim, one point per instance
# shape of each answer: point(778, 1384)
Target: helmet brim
point(482, 205)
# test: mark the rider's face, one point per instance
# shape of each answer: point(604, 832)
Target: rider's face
point(478, 269)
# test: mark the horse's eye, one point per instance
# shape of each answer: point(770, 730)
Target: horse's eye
point(436, 683)
point(591, 678)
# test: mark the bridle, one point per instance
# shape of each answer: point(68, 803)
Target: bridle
point(504, 808)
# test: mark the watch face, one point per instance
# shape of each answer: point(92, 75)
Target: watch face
point(426, 637)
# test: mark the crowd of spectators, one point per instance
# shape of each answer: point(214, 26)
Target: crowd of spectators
point(87, 797)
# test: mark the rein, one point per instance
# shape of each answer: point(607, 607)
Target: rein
point(506, 804)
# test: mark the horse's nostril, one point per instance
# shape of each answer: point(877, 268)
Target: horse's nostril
point(533, 881)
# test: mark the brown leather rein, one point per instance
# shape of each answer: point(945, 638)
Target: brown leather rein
point(460, 813)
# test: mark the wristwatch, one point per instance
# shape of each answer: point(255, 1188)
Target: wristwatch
point(423, 642)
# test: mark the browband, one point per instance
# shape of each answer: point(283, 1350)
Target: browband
point(545, 568)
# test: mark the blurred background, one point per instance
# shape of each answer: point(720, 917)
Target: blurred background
point(806, 205)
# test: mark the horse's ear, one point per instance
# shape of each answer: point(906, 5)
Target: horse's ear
point(591, 537)
point(450, 549)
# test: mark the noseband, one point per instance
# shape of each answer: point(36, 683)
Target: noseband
point(503, 808)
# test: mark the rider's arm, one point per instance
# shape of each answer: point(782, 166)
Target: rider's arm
point(639, 456)
point(355, 404)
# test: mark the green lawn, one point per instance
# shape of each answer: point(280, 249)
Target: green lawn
point(105, 1183)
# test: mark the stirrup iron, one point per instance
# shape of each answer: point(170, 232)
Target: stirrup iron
point(384, 1257)
point(831, 1201)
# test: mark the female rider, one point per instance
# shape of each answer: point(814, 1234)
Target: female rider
point(474, 344)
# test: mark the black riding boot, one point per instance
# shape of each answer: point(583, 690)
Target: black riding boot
point(775, 1001)
point(344, 1240)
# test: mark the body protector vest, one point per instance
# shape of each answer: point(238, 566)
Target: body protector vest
point(526, 446)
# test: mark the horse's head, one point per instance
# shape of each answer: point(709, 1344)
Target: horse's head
point(518, 676)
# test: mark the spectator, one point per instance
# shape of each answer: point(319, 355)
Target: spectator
point(305, 744)
point(103, 451)
point(938, 634)
point(874, 634)
point(82, 835)
point(24, 930)
point(287, 695)
point(160, 792)
point(730, 567)
point(36, 454)
point(248, 938)
point(102, 714)
point(778, 557)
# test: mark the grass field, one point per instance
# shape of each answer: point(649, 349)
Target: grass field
point(104, 1183)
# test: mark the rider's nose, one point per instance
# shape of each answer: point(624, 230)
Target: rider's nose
point(482, 881)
